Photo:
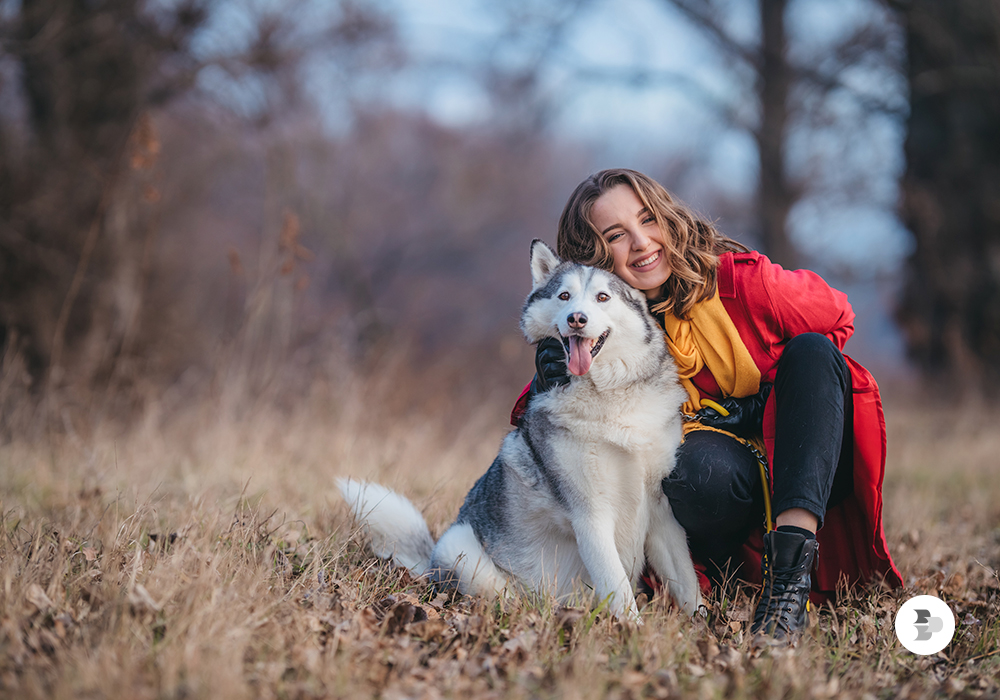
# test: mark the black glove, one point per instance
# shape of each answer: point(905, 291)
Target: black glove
point(746, 415)
point(550, 365)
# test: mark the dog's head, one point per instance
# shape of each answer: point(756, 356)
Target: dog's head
point(592, 311)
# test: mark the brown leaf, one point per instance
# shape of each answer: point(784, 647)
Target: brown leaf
point(728, 658)
point(739, 613)
point(868, 627)
point(38, 599)
point(521, 646)
point(428, 630)
point(955, 584)
point(11, 639)
point(954, 686)
point(567, 617)
point(398, 613)
point(829, 689)
point(141, 601)
point(398, 617)
point(665, 678)
point(470, 626)
point(61, 624)
point(709, 649)
point(634, 680)
point(48, 642)
point(696, 670)
point(368, 622)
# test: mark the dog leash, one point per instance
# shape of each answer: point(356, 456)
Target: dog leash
point(761, 459)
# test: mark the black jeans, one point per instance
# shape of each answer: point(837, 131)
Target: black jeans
point(715, 489)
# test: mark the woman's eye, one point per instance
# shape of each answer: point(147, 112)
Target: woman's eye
point(564, 296)
point(602, 297)
point(615, 236)
point(649, 220)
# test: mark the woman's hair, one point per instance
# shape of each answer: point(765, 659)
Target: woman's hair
point(692, 245)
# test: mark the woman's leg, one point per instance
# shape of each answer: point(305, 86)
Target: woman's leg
point(812, 391)
point(716, 496)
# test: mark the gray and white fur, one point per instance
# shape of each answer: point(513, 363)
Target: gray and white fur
point(575, 496)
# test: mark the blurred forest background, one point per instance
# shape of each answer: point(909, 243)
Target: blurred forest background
point(274, 192)
point(250, 245)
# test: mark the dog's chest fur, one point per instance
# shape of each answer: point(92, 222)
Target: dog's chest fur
point(640, 420)
point(612, 453)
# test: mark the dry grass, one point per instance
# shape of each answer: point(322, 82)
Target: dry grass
point(206, 555)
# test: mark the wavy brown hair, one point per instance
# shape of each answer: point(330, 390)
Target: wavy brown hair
point(692, 245)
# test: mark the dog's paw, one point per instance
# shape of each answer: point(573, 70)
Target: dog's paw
point(623, 607)
point(687, 598)
point(629, 616)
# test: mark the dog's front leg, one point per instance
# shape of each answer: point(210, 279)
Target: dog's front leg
point(667, 552)
point(595, 537)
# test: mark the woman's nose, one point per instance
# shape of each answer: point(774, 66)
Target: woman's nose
point(639, 240)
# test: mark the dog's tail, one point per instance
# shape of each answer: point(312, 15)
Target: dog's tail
point(395, 527)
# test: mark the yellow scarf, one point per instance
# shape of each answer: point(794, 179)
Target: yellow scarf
point(710, 339)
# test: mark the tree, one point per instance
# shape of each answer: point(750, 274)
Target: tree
point(949, 308)
point(77, 147)
point(798, 89)
point(84, 73)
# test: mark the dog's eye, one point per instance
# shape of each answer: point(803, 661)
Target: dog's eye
point(603, 297)
point(564, 296)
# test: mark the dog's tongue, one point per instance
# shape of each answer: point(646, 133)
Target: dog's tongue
point(579, 355)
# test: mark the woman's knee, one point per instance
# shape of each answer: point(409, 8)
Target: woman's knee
point(712, 484)
point(809, 358)
point(812, 348)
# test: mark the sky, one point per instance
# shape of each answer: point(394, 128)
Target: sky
point(645, 125)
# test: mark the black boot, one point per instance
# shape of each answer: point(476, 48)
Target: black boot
point(786, 565)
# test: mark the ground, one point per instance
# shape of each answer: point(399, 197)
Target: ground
point(204, 553)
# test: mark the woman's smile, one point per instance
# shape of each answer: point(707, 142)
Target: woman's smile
point(647, 261)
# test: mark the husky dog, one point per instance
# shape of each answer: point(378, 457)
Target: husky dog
point(575, 494)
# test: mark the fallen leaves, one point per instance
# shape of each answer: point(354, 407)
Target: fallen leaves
point(38, 599)
point(302, 614)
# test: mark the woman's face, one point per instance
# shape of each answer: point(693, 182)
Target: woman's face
point(634, 238)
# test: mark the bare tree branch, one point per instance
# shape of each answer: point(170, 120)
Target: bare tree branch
point(728, 110)
point(701, 14)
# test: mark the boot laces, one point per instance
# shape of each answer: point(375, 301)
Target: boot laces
point(781, 594)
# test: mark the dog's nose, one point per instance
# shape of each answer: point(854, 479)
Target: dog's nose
point(577, 320)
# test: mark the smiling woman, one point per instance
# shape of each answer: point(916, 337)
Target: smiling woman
point(812, 451)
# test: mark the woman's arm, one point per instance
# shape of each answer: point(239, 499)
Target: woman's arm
point(802, 302)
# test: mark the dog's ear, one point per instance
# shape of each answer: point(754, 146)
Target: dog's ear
point(543, 262)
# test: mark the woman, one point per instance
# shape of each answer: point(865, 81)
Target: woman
point(738, 325)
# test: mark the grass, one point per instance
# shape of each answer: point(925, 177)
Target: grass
point(205, 554)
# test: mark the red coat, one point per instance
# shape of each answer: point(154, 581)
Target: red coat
point(770, 305)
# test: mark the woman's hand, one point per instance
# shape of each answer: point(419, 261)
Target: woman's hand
point(746, 415)
point(550, 365)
